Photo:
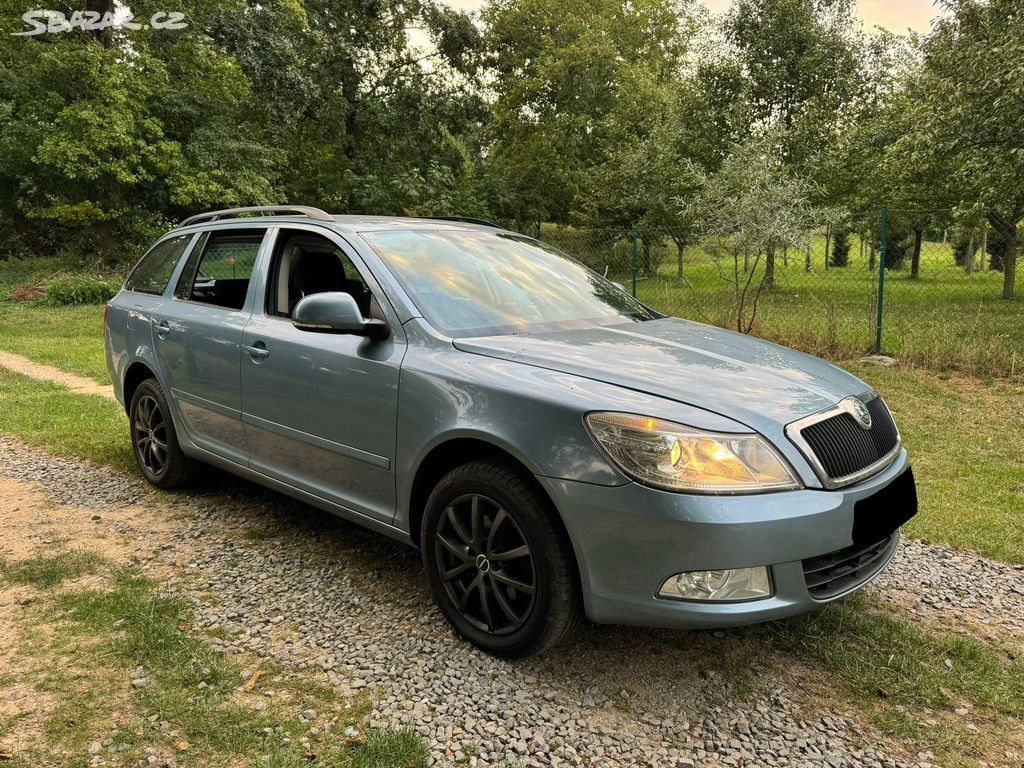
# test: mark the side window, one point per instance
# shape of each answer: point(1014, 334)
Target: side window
point(305, 264)
point(153, 272)
point(220, 267)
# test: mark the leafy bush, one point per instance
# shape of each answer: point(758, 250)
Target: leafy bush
point(79, 289)
point(898, 242)
point(996, 247)
point(960, 246)
point(840, 256)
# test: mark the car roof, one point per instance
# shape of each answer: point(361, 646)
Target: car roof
point(358, 223)
point(352, 223)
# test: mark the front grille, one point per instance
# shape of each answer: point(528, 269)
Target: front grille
point(844, 448)
point(839, 572)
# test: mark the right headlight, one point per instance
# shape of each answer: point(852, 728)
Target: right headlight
point(675, 457)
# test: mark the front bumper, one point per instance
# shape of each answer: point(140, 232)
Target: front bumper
point(628, 539)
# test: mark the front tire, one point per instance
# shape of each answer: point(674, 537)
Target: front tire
point(154, 440)
point(499, 565)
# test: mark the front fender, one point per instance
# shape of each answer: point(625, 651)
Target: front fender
point(533, 414)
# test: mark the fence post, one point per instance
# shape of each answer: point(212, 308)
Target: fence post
point(881, 279)
point(828, 242)
point(633, 237)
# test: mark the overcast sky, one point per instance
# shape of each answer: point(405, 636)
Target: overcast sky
point(896, 15)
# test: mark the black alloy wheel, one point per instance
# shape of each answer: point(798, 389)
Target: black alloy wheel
point(155, 441)
point(499, 560)
point(149, 431)
point(486, 564)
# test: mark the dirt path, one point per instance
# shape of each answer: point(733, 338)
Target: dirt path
point(79, 384)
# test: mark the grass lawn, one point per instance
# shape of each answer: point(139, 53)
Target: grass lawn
point(85, 426)
point(966, 440)
point(69, 338)
point(910, 680)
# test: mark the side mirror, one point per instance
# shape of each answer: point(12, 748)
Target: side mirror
point(336, 313)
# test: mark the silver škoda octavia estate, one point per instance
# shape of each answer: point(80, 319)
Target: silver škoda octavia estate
point(553, 447)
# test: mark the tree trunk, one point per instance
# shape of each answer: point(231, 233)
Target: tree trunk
point(807, 261)
point(871, 258)
point(1010, 262)
point(102, 7)
point(1007, 227)
point(769, 267)
point(828, 241)
point(915, 259)
point(969, 256)
point(984, 246)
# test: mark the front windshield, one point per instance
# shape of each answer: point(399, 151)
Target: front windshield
point(474, 283)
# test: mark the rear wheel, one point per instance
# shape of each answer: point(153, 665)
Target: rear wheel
point(499, 566)
point(154, 440)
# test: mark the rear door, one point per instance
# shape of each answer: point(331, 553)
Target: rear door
point(128, 332)
point(320, 409)
point(198, 335)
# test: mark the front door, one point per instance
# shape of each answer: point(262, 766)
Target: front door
point(198, 337)
point(320, 409)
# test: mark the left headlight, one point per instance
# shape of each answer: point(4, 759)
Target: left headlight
point(675, 457)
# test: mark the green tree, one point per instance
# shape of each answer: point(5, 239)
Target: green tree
point(971, 113)
point(802, 62)
point(362, 118)
point(663, 132)
point(803, 67)
point(574, 85)
point(105, 136)
point(840, 253)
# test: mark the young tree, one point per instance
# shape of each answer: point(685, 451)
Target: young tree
point(753, 207)
point(840, 256)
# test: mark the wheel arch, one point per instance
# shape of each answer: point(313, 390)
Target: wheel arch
point(462, 449)
point(136, 373)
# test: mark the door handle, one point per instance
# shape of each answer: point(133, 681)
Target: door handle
point(162, 327)
point(257, 352)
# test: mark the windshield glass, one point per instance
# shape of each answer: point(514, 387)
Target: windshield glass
point(472, 283)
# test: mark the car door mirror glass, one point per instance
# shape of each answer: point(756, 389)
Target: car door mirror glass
point(337, 312)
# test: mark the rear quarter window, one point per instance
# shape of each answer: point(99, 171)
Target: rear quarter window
point(154, 271)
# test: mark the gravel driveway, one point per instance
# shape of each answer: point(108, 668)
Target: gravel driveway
point(291, 583)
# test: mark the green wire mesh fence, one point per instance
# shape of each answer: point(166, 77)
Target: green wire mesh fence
point(938, 302)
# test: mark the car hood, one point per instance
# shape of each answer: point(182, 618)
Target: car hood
point(741, 377)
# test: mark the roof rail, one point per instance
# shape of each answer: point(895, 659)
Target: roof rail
point(263, 210)
point(463, 219)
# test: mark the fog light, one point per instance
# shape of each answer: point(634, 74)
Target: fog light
point(720, 586)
